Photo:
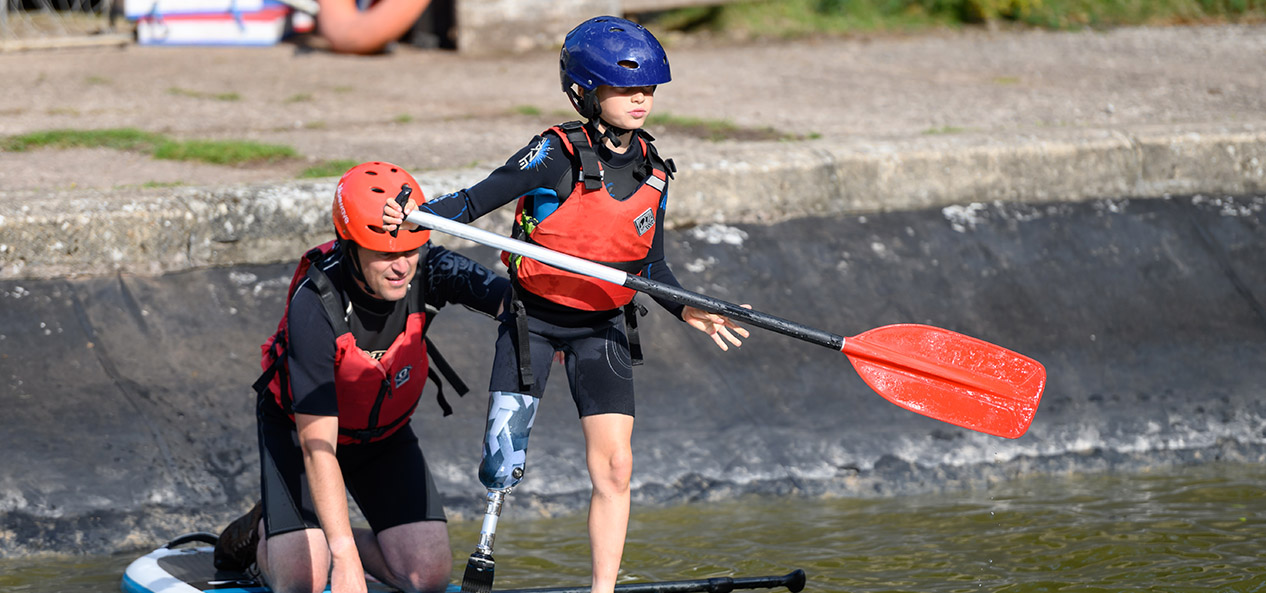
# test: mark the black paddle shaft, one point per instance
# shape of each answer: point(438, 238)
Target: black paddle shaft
point(720, 307)
point(794, 581)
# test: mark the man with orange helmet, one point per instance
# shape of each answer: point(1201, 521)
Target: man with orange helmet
point(344, 373)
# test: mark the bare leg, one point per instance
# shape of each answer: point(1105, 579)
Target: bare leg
point(414, 557)
point(294, 562)
point(609, 455)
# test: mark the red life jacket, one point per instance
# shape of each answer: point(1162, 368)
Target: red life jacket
point(593, 225)
point(375, 397)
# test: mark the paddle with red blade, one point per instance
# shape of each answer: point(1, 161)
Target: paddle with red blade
point(928, 370)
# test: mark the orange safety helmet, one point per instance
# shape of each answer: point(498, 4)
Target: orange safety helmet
point(358, 204)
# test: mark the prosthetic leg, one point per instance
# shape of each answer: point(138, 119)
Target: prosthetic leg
point(510, 417)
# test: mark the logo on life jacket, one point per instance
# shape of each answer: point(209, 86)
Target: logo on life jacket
point(645, 222)
point(402, 377)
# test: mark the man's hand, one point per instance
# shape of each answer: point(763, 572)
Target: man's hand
point(393, 215)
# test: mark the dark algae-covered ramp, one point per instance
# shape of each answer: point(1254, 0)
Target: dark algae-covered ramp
point(128, 415)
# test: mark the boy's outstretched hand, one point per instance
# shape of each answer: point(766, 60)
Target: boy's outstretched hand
point(393, 216)
point(717, 326)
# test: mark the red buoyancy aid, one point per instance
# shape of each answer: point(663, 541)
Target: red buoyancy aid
point(593, 225)
point(375, 397)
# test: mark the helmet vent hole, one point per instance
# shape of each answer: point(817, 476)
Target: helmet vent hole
point(376, 229)
point(377, 190)
point(371, 172)
point(630, 64)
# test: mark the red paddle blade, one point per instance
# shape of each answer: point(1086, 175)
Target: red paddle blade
point(950, 377)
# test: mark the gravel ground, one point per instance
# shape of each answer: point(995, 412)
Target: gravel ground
point(434, 110)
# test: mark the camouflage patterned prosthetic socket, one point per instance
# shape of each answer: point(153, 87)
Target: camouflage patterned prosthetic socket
point(510, 417)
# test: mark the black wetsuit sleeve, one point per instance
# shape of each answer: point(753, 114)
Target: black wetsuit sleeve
point(657, 267)
point(457, 279)
point(310, 355)
point(538, 166)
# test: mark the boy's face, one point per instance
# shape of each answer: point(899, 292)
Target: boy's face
point(626, 107)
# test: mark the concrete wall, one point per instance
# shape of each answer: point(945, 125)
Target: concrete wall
point(490, 27)
point(190, 227)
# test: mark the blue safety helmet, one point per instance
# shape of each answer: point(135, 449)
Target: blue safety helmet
point(612, 51)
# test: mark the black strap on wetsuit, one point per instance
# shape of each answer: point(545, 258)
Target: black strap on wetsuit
point(526, 378)
point(631, 312)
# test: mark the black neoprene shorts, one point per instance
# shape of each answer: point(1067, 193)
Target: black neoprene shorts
point(388, 479)
point(596, 360)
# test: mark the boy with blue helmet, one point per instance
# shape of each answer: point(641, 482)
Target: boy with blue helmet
point(613, 52)
point(595, 189)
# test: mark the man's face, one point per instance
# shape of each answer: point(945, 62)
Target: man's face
point(388, 274)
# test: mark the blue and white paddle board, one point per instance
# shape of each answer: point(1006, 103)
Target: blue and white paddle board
point(184, 566)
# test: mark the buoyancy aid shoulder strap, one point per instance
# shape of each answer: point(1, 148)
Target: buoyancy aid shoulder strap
point(279, 345)
point(577, 143)
point(652, 154)
point(330, 300)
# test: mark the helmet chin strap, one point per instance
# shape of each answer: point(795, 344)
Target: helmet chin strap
point(358, 275)
point(609, 132)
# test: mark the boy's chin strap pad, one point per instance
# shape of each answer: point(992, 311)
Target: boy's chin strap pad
point(510, 417)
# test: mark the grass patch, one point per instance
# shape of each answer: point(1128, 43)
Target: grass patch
point(528, 110)
point(118, 139)
point(299, 98)
point(201, 95)
point(943, 130)
point(798, 18)
point(713, 129)
point(96, 80)
point(403, 118)
point(223, 152)
point(334, 168)
point(217, 152)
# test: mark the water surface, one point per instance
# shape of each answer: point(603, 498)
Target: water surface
point(1183, 529)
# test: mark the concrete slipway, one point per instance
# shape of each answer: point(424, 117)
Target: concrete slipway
point(128, 412)
point(1129, 262)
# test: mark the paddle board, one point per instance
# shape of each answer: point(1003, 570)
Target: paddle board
point(184, 565)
